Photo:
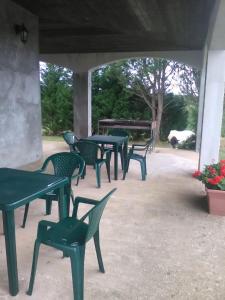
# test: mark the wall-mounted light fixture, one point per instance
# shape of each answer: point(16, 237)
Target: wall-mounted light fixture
point(22, 31)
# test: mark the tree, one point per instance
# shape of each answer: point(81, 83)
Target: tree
point(189, 80)
point(150, 79)
point(56, 99)
point(175, 115)
point(189, 84)
point(111, 98)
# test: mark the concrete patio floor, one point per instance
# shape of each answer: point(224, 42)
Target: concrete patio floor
point(158, 241)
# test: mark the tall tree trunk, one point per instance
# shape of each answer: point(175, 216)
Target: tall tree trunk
point(160, 99)
point(153, 108)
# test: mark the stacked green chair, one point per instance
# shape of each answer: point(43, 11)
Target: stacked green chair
point(118, 132)
point(138, 157)
point(70, 235)
point(70, 138)
point(64, 164)
point(94, 155)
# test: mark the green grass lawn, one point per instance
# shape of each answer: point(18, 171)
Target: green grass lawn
point(163, 144)
point(53, 138)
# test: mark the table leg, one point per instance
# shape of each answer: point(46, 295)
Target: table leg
point(10, 245)
point(116, 162)
point(125, 149)
point(63, 203)
point(63, 206)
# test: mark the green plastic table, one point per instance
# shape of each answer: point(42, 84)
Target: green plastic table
point(115, 141)
point(17, 188)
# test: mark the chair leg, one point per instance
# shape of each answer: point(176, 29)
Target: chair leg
point(84, 172)
point(77, 267)
point(68, 205)
point(98, 252)
point(25, 215)
point(68, 195)
point(98, 175)
point(126, 167)
point(34, 267)
point(121, 158)
point(143, 175)
point(102, 150)
point(72, 196)
point(48, 207)
point(124, 173)
point(145, 166)
point(108, 169)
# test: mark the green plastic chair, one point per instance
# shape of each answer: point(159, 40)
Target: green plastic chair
point(94, 155)
point(118, 132)
point(70, 235)
point(66, 164)
point(70, 138)
point(138, 157)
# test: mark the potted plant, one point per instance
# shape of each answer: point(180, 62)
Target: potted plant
point(213, 176)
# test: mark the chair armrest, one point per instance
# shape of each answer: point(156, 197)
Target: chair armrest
point(38, 171)
point(43, 228)
point(107, 154)
point(86, 200)
point(107, 151)
point(139, 145)
point(103, 150)
point(79, 200)
point(79, 173)
point(44, 166)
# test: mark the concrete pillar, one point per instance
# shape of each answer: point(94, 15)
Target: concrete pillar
point(20, 105)
point(201, 100)
point(82, 104)
point(212, 110)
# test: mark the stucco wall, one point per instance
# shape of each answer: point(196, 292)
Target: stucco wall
point(20, 111)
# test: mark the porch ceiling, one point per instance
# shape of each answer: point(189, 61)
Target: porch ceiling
point(84, 26)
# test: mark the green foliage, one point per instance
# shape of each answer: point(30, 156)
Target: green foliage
point(189, 144)
point(191, 103)
point(56, 98)
point(110, 97)
point(213, 176)
point(113, 97)
point(189, 82)
point(174, 115)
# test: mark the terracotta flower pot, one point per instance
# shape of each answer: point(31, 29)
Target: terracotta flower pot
point(216, 202)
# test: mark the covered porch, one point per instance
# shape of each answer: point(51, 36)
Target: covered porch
point(158, 241)
point(82, 36)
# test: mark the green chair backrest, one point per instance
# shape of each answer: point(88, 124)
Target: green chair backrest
point(149, 145)
point(142, 147)
point(94, 215)
point(66, 164)
point(88, 151)
point(118, 132)
point(70, 138)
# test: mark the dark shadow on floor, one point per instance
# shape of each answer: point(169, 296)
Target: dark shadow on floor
point(198, 202)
